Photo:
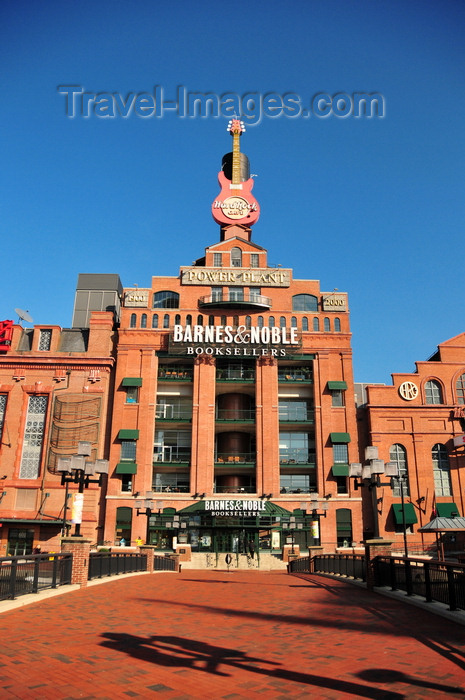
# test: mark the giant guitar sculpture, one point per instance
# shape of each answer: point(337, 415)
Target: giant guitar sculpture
point(235, 204)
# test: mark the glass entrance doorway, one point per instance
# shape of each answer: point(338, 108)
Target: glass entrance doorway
point(240, 541)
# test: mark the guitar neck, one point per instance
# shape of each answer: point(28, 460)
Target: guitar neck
point(236, 159)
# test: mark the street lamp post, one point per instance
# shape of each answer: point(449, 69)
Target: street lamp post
point(145, 507)
point(369, 475)
point(77, 470)
point(402, 480)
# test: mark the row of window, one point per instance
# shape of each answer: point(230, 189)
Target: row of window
point(440, 464)
point(164, 322)
point(168, 299)
point(434, 391)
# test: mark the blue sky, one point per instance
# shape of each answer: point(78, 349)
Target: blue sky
point(374, 207)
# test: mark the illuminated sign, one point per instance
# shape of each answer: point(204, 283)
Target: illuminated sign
point(274, 277)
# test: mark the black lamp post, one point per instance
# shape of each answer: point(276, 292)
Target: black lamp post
point(316, 530)
point(145, 507)
point(402, 479)
point(369, 475)
point(76, 470)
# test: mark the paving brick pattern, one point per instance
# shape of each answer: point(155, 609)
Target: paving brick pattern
point(228, 635)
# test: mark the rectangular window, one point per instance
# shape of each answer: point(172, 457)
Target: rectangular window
point(296, 448)
point(132, 394)
point(217, 294)
point(236, 294)
point(126, 482)
point(172, 446)
point(340, 454)
point(33, 437)
point(255, 293)
point(3, 398)
point(45, 339)
point(128, 450)
point(337, 397)
point(217, 260)
point(254, 260)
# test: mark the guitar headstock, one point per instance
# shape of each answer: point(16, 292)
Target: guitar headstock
point(236, 126)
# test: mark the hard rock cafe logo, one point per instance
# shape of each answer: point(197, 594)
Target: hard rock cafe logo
point(235, 207)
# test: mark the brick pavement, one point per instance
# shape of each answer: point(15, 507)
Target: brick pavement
point(228, 635)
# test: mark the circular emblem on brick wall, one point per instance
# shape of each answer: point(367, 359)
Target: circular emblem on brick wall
point(408, 391)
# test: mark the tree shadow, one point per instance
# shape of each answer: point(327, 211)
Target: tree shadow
point(173, 651)
point(387, 675)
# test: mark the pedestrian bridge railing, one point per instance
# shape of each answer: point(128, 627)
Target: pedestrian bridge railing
point(31, 573)
point(102, 564)
point(443, 582)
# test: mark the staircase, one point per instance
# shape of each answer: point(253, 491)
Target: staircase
point(239, 562)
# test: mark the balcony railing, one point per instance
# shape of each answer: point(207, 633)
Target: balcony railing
point(235, 374)
point(240, 458)
point(295, 415)
point(173, 412)
point(172, 454)
point(229, 489)
point(229, 414)
point(175, 373)
point(295, 374)
point(296, 456)
point(236, 298)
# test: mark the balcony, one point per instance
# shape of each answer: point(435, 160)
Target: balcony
point(297, 456)
point(295, 415)
point(241, 459)
point(295, 374)
point(229, 415)
point(175, 373)
point(171, 412)
point(235, 373)
point(242, 299)
point(171, 455)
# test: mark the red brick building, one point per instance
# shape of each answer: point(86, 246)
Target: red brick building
point(54, 392)
point(233, 401)
point(417, 423)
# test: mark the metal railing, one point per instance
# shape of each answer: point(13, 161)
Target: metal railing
point(443, 582)
point(113, 563)
point(350, 565)
point(32, 573)
point(233, 414)
point(238, 458)
point(163, 563)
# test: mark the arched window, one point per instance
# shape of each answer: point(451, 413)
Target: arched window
point(260, 321)
point(441, 470)
point(304, 323)
point(282, 322)
point(327, 324)
point(166, 300)
point(155, 321)
point(200, 320)
point(294, 322)
point(177, 319)
point(166, 321)
point(188, 320)
point(271, 321)
point(123, 523)
point(248, 321)
point(460, 388)
point(235, 321)
point(316, 324)
point(133, 321)
point(143, 321)
point(211, 320)
point(304, 302)
point(398, 454)
point(223, 321)
point(337, 325)
point(236, 257)
point(433, 392)
point(344, 527)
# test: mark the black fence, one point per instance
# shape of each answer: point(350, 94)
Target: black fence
point(113, 563)
point(350, 565)
point(163, 563)
point(32, 573)
point(435, 581)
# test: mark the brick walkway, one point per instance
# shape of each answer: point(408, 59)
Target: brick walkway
point(228, 635)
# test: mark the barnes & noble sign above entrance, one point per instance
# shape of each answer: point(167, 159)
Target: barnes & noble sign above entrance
point(229, 341)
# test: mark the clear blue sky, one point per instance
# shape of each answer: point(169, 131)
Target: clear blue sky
point(374, 207)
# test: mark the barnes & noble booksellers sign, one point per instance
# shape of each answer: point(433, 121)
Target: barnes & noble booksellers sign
point(229, 341)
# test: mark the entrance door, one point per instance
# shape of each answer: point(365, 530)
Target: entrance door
point(234, 540)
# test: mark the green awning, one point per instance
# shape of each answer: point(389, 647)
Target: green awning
point(337, 386)
point(126, 468)
point(340, 470)
point(339, 437)
point(128, 434)
point(446, 510)
point(410, 514)
point(132, 381)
